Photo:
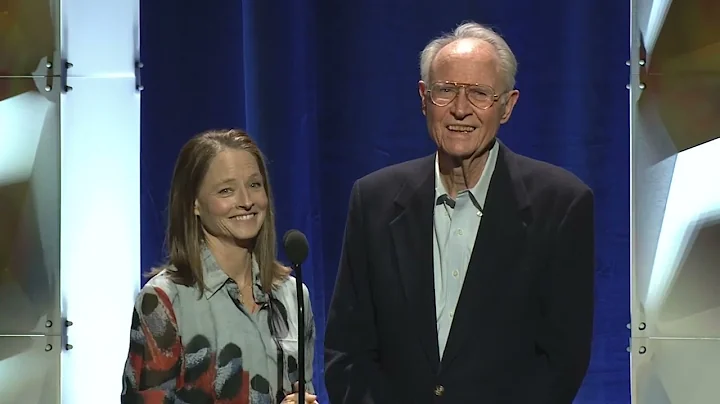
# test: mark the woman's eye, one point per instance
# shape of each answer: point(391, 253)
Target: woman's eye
point(225, 191)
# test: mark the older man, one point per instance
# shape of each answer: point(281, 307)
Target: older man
point(466, 276)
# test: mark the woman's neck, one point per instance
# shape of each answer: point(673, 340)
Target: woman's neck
point(234, 260)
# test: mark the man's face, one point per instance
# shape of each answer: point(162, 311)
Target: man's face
point(460, 128)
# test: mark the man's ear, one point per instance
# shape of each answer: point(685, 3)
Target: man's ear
point(422, 91)
point(511, 99)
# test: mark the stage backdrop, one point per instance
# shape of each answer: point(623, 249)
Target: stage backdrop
point(329, 90)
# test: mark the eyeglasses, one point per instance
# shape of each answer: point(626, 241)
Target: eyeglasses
point(443, 93)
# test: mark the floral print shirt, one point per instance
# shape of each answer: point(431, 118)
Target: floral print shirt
point(196, 349)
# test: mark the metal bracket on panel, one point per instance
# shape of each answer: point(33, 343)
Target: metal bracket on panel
point(65, 66)
point(640, 86)
point(637, 329)
point(64, 335)
point(641, 349)
point(138, 76)
point(640, 62)
point(49, 75)
point(48, 323)
point(629, 347)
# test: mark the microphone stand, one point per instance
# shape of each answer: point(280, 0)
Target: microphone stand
point(301, 331)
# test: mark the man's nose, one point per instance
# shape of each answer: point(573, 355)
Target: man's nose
point(461, 105)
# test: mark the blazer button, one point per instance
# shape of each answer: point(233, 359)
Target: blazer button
point(439, 390)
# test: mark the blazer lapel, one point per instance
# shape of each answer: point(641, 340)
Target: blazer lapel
point(411, 232)
point(499, 244)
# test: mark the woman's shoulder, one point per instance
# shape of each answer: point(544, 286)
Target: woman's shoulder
point(159, 288)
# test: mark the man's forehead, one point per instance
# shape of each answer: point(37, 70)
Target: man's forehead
point(467, 48)
point(466, 60)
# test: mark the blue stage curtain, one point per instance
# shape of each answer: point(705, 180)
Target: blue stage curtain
point(329, 90)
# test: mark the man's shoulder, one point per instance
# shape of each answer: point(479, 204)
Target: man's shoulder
point(395, 175)
point(541, 178)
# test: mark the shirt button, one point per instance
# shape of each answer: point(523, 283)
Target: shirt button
point(459, 232)
point(439, 390)
point(479, 213)
point(455, 273)
point(452, 313)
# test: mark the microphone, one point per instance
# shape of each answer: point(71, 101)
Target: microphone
point(296, 249)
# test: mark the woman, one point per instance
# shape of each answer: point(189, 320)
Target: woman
point(218, 323)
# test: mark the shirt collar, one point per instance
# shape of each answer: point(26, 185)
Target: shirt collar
point(480, 189)
point(215, 278)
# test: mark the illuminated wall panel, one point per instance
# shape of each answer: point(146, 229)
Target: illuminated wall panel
point(30, 320)
point(29, 240)
point(69, 198)
point(675, 279)
point(100, 199)
point(101, 38)
point(100, 254)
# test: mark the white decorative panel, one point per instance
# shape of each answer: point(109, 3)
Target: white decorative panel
point(100, 38)
point(100, 233)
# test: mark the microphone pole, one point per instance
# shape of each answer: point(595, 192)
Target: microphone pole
point(296, 249)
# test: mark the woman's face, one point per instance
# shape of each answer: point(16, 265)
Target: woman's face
point(232, 201)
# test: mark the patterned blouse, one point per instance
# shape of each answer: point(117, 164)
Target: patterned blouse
point(187, 348)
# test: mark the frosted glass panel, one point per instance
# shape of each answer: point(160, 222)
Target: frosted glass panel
point(30, 370)
point(30, 207)
point(676, 199)
point(29, 37)
point(675, 371)
point(675, 352)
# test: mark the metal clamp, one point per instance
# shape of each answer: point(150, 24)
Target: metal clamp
point(65, 66)
point(138, 76)
point(49, 75)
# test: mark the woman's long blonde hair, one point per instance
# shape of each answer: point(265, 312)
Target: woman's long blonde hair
point(185, 237)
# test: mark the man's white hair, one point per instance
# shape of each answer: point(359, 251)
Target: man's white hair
point(506, 58)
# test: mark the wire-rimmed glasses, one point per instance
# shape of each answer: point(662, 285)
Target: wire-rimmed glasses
point(481, 96)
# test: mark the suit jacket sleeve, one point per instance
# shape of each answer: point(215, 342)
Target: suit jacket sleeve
point(352, 371)
point(566, 329)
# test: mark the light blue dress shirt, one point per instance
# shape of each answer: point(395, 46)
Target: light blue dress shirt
point(455, 226)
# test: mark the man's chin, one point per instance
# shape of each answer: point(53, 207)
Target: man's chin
point(458, 152)
point(463, 150)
